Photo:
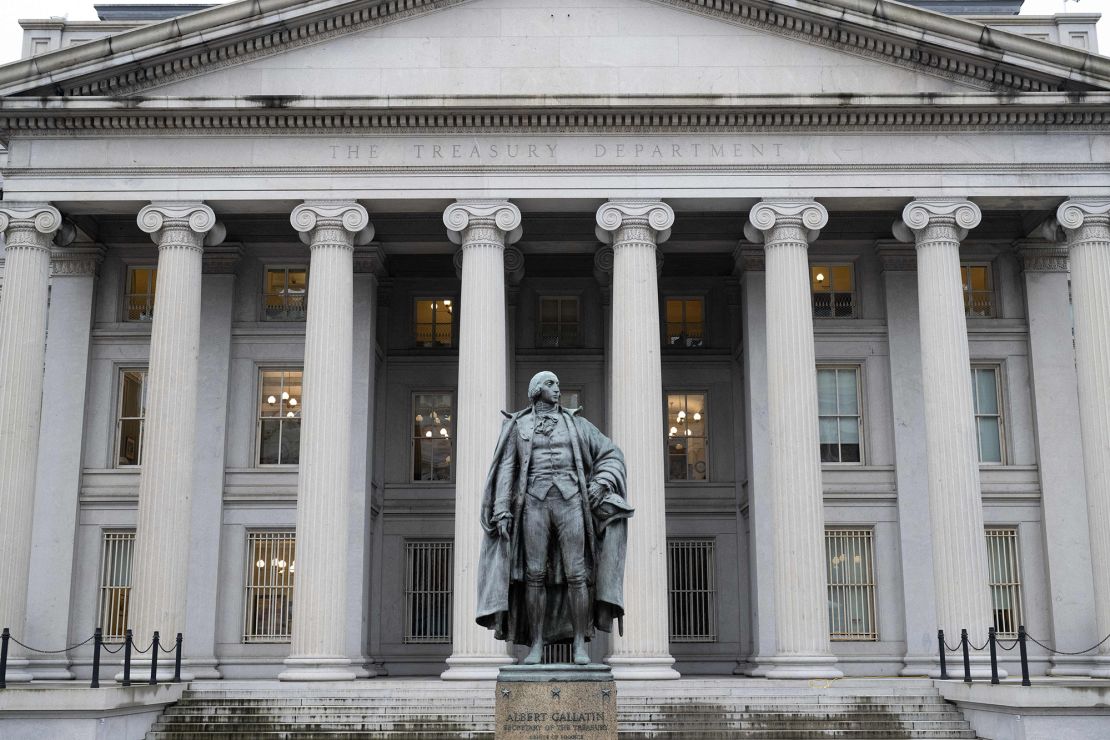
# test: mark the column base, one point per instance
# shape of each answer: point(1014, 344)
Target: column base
point(920, 665)
point(643, 668)
point(804, 666)
point(756, 666)
point(317, 669)
point(1101, 666)
point(18, 671)
point(50, 669)
point(474, 667)
point(140, 672)
point(207, 668)
point(1071, 665)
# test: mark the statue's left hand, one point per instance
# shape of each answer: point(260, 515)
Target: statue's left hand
point(503, 528)
point(596, 493)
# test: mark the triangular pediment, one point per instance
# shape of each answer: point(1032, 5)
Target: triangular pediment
point(500, 48)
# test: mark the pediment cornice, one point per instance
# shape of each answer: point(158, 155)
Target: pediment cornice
point(146, 58)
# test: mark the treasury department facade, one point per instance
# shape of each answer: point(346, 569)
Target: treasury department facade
point(832, 274)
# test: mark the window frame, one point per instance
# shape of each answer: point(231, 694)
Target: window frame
point(408, 592)
point(444, 297)
point(704, 393)
point(708, 545)
point(999, 379)
point(685, 343)
point(560, 297)
point(258, 418)
point(413, 393)
point(967, 293)
point(828, 265)
point(1012, 532)
point(274, 534)
point(266, 268)
point(117, 437)
point(119, 535)
point(860, 406)
point(125, 294)
point(871, 587)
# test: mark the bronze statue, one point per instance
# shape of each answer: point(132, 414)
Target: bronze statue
point(554, 512)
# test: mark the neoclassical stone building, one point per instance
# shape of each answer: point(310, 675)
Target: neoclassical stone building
point(832, 273)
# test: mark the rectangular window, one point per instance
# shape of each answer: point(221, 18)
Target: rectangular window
point(1004, 572)
point(116, 552)
point(978, 292)
point(130, 417)
point(692, 587)
point(428, 591)
point(284, 294)
point(687, 444)
point(432, 322)
point(432, 432)
point(987, 402)
point(839, 419)
point(685, 322)
point(833, 289)
point(558, 321)
point(850, 559)
point(279, 417)
point(570, 398)
point(139, 295)
point(268, 598)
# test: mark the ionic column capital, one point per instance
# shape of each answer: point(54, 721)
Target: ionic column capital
point(512, 256)
point(181, 224)
point(1083, 219)
point(921, 219)
point(76, 261)
point(338, 222)
point(33, 226)
point(785, 219)
point(626, 221)
point(481, 220)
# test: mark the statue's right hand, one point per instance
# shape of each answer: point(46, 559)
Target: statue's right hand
point(503, 528)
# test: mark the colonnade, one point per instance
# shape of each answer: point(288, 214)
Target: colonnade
point(484, 229)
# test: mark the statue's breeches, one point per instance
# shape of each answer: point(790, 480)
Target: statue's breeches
point(563, 517)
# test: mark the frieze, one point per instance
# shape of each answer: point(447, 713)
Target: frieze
point(75, 261)
point(1047, 258)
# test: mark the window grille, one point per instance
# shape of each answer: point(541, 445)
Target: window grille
point(685, 322)
point(558, 321)
point(268, 600)
point(117, 549)
point(285, 294)
point(557, 652)
point(687, 444)
point(131, 417)
point(850, 559)
point(432, 432)
point(692, 587)
point(1004, 572)
point(840, 422)
point(987, 402)
point(432, 323)
point(139, 296)
point(280, 404)
point(833, 290)
point(978, 291)
point(428, 591)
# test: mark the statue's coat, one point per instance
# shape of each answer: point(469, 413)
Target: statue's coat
point(501, 585)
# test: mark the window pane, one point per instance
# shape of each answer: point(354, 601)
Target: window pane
point(694, 311)
point(826, 392)
point(432, 434)
point(674, 311)
point(819, 278)
point(841, 278)
point(828, 430)
point(568, 311)
point(131, 402)
point(290, 441)
point(549, 310)
point(986, 391)
point(849, 559)
point(696, 458)
point(990, 448)
point(132, 411)
point(846, 389)
point(268, 600)
point(269, 442)
point(279, 413)
point(849, 452)
point(849, 430)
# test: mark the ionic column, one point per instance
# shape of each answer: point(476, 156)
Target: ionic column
point(955, 502)
point(1087, 225)
point(482, 228)
point(797, 508)
point(634, 228)
point(28, 230)
point(319, 646)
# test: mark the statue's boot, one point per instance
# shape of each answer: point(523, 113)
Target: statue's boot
point(580, 612)
point(537, 603)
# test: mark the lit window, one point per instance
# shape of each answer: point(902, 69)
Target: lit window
point(988, 413)
point(558, 321)
point(686, 437)
point(1004, 573)
point(431, 436)
point(139, 296)
point(428, 591)
point(685, 319)
point(850, 560)
point(268, 599)
point(433, 322)
point(117, 549)
point(279, 417)
point(284, 294)
point(692, 590)
point(131, 417)
point(833, 291)
point(839, 417)
point(978, 293)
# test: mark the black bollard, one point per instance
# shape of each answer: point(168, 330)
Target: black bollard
point(177, 660)
point(943, 661)
point(154, 659)
point(4, 637)
point(127, 658)
point(1024, 657)
point(992, 636)
point(967, 657)
point(98, 640)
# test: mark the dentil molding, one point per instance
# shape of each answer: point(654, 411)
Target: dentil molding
point(463, 214)
point(650, 212)
point(767, 214)
point(918, 215)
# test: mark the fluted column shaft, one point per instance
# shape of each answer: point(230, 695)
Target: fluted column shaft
point(28, 232)
point(1087, 225)
point(318, 650)
point(955, 500)
point(797, 507)
point(635, 228)
point(482, 229)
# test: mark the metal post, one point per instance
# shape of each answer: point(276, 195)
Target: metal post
point(4, 637)
point(98, 640)
point(127, 658)
point(943, 661)
point(177, 660)
point(154, 659)
point(992, 636)
point(967, 657)
point(1024, 657)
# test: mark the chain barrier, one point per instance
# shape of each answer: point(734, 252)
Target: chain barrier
point(993, 644)
point(53, 652)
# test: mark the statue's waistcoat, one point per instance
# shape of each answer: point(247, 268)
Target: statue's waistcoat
point(551, 461)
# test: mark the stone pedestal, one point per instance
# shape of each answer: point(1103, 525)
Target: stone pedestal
point(556, 702)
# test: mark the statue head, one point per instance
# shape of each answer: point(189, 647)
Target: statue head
point(544, 386)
